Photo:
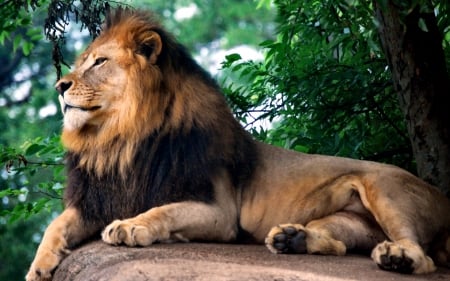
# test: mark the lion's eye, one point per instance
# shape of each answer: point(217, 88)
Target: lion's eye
point(99, 61)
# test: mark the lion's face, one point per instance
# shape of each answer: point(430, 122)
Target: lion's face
point(96, 89)
point(113, 81)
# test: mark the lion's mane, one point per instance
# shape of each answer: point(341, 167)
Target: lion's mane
point(165, 144)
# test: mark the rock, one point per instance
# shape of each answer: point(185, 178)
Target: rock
point(206, 261)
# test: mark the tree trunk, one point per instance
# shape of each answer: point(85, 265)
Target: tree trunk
point(412, 44)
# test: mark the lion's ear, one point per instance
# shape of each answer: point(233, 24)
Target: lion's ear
point(150, 46)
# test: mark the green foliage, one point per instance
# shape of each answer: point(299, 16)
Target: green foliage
point(9, 25)
point(323, 86)
point(60, 13)
point(17, 246)
point(31, 185)
point(214, 23)
point(23, 197)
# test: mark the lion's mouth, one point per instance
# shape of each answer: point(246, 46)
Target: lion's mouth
point(92, 108)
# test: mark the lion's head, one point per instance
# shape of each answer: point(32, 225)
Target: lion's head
point(134, 80)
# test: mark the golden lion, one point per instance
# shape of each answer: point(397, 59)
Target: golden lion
point(155, 155)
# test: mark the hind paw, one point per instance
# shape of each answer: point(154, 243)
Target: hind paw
point(403, 257)
point(298, 239)
point(288, 238)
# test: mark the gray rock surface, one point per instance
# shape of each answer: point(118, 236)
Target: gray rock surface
point(205, 262)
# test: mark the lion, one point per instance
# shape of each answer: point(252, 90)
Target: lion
point(154, 154)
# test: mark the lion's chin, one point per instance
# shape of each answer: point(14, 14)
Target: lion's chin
point(76, 119)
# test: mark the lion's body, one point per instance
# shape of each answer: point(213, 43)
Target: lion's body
point(306, 187)
point(154, 154)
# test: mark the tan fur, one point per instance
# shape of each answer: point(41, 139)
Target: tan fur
point(405, 248)
point(123, 116)
point(122, 92)
point(55, 244)
point(181, 221)
point(317, 241)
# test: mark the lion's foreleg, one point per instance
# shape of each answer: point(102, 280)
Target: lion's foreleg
point(181, 221)
point(64, 232)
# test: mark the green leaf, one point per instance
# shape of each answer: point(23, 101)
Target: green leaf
point(3, 35)
point(233, 57)
point(35, 34)
point(17, 40)
point(34, 148)
point(26, 48)
point(10, 192)
point(266, 43)
point(423, 25)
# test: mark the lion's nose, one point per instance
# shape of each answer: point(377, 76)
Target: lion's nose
point(62, 86)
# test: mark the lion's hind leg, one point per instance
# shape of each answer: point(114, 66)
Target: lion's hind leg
point(407, 256)
point(411, 213)
point(331, 235)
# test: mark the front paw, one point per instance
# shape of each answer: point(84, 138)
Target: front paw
point(127, 232)
point(43, 266)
